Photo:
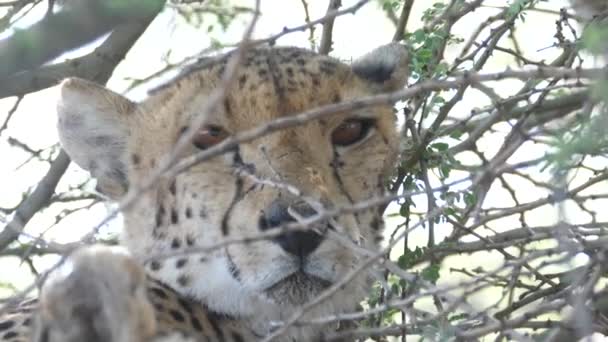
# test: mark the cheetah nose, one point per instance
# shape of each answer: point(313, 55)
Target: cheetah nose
point(297, 243)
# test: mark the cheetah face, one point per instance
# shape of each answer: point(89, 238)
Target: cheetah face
point(287, 176)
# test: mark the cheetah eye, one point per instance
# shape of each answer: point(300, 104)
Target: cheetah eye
point(209, 136)
point(351, 131)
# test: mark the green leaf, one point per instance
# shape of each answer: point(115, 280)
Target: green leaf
point(458, 317)
point(444, 170)
point(440, 146)
point(391, 5)
point(419, 35)
point(404, 210)
point(409, 258)
point(456, 134)
point(469, 199)
point(404, 261)
point(449, 211)
point(431, 273)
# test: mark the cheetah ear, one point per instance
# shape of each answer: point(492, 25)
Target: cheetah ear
point(93, 124)
point(386, 67)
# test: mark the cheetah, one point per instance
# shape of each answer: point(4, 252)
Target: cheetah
point(236, 291)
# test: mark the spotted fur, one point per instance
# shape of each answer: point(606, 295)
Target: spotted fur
point(233, 292)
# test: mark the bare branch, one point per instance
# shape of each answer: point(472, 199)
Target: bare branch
point(328, 27)
point(37, 200)
point(403, 19)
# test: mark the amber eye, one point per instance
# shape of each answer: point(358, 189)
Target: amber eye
point(209, 136)
point(351, 131)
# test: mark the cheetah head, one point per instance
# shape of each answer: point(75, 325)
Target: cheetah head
point(286, 176)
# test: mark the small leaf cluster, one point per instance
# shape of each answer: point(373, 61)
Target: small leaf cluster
point(516, 9)
point(424, 46)
point(585, 135)
point(215, 14)
point(390, 5)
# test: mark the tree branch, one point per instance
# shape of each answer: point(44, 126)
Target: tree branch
point(328, 27)
point(403, 19)
point(35, 201)
point(80, 23)
point(97, 66)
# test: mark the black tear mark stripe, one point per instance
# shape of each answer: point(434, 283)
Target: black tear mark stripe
point(238, 192)
point(159, 231)
point(227, 107)
point(383, 136)
point(232, 268)
point(334, 166)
